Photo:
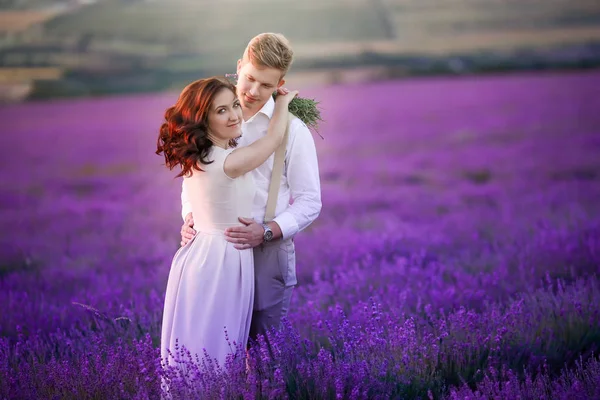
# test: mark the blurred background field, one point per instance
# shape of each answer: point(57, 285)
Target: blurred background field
point(80, 48)
point(466, 209)
point(461, 207)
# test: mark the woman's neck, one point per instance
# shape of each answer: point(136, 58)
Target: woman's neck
point(222, 143)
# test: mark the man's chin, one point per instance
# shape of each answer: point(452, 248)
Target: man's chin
point(251, 105)
point(245, 104)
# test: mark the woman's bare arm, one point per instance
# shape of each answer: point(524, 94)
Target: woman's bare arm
point(247, 158)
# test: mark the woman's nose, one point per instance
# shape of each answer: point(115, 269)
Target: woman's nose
point(233, 116)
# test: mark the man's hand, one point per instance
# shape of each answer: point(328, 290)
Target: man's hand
point(245, 237)
point(187, 233)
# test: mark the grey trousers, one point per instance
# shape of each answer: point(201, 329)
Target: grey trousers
point(275, 278)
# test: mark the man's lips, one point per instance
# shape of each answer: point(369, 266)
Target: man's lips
point(250, 98)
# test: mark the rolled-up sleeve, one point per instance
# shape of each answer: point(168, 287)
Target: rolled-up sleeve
point(304, 183)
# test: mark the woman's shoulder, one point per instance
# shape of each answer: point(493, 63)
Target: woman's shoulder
point(216, 158)
point(219, 154)
point(214, 161)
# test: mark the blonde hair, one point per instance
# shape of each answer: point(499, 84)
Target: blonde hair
point(271, 50)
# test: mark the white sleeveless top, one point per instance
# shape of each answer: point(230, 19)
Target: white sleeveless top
point(216, 199)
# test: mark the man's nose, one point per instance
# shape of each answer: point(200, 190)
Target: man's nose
point(254, 90)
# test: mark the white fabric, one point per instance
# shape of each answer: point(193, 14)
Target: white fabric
point(300, 181)
point(211, 284)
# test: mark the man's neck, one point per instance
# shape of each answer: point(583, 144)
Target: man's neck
point(248, 113)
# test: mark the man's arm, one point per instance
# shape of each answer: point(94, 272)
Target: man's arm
point(304, 183)
point(305, 187)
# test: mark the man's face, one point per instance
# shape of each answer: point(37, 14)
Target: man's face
point(256, 84)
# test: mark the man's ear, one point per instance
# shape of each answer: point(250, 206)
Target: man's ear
point(239, 66)
point(281, 83)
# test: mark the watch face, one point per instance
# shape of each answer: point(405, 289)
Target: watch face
point(268, 235)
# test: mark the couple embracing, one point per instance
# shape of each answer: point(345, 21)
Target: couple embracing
point(243, 158)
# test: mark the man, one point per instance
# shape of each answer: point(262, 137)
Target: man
point(261, 70)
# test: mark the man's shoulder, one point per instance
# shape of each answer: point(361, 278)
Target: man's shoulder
point(297, 126)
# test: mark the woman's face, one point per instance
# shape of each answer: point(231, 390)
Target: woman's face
point(225, 116)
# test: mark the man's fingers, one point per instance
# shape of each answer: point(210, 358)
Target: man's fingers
point(237, 229)
point(239, 235)
point(189, 219)
point(246, 221)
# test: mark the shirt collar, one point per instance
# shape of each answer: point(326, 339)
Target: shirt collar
point(266, 110)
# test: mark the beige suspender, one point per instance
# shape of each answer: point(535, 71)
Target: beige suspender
point(276, 174)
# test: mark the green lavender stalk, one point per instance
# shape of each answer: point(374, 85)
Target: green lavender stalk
point(306, 110)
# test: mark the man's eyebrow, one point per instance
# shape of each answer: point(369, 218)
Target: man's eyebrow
point(264, 83)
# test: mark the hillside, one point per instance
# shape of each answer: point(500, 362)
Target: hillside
point(331, 28)
point(121, 46)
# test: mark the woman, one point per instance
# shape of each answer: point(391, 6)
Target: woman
point(209, 298)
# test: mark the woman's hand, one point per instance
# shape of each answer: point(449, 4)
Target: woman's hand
point(285, 96)
point(282, 90)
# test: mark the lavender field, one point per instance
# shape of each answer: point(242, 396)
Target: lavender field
point(456, 256)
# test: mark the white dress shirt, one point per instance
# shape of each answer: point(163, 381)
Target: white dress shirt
point(300, 182)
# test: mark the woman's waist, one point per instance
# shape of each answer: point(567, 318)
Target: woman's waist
point(215, 227)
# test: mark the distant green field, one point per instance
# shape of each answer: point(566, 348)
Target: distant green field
point(211, 25)
point(221, 25)
point(217, 32)
point(166, 43)
point(212, 34)
point(435, 17)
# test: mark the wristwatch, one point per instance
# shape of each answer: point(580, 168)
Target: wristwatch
point(268, 235)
